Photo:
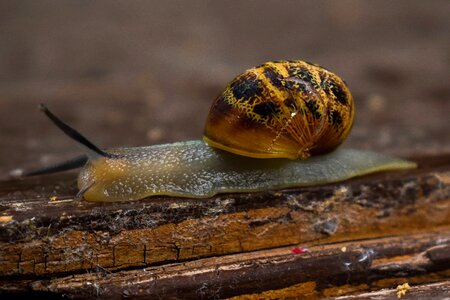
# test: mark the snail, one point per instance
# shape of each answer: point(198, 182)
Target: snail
point(275, 126)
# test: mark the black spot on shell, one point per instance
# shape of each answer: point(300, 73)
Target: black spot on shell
point(335, 118)
point(324, 82)
point(299, 72)
point(313, 108)
point(341, 97)
point(290, 102)
point(246, 87)
point(295, 85)
point(273, 77)
point(222, 106)
point(266, 109)
point(303, 74)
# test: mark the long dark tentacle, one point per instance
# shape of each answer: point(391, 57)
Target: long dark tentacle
point(76, 162)
point(92, 150)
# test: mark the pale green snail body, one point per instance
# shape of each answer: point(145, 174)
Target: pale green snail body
point(194, 169)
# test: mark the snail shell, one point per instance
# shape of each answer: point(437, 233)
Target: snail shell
point(290, 109)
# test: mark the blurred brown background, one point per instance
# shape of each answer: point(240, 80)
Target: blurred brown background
point(144, 72)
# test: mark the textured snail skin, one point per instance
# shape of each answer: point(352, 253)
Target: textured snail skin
point(194, 169)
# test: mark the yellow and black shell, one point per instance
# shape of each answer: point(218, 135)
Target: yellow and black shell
point(290, 109)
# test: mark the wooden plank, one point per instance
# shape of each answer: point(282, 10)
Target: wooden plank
point(323, 270)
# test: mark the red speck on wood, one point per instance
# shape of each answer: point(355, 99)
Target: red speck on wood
point(297, 250)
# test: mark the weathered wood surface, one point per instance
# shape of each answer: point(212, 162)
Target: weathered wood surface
point(323, 271)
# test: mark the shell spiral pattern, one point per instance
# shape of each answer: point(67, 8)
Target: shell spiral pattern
point(289, 109)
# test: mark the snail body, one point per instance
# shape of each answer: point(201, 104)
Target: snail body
point(284, 111)
point(194, 169)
